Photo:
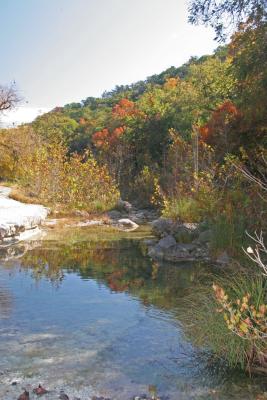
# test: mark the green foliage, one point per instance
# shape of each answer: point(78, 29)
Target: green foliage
point(144, 187)
point(183, 209)
point(55, 127)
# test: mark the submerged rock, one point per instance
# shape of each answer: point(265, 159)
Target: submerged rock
point(24, 396)
point(100, 398)
point(63, 396)
point(40, 390)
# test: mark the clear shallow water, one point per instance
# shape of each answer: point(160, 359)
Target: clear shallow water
point(86, 311)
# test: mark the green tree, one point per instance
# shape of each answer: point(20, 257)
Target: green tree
point(224, 16)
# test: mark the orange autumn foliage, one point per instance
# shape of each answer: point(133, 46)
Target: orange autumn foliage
point(171, 83)
point(125, 108)
point(106, 138)
point(223, 116)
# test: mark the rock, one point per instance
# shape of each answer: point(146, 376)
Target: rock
point(192, 226)
point(167, 242)
point(24, 396)
point(150, 242)
point(156, 252)
point(100, 398)
point(124, 206)
point(63, 396)
point(204, 237)
point(90, 223)
point(162, 227)
point(185, 235)
point(223, 258)
point(81, 213)
point(203, 226)
point(127, 225)
point(40, 390)
point(114, 214)
point(178, 252)
point(185, 232)
point(16, 217)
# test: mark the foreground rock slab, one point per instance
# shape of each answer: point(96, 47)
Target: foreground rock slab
point(18, 220)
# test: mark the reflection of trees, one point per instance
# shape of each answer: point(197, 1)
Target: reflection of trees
point(6, 303)
point(120, 265)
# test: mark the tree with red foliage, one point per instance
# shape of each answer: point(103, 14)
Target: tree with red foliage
point(221, 131)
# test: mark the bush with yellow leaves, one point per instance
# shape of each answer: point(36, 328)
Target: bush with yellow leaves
point(71, 181)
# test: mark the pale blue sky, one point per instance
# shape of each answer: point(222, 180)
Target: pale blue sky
point(59, 51)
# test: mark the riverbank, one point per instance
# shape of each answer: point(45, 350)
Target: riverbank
point(18, 221)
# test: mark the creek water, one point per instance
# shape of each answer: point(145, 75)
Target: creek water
point(86, 311)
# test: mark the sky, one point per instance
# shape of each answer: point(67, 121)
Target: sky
point(63, 51)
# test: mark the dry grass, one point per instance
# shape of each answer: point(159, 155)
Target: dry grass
point(18, 195)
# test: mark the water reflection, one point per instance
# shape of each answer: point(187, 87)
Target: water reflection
point(92, 312)
point(6, 302)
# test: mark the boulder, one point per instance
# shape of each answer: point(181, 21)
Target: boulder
point(127, 224)
point(191, 226)
point(183, 234)
point(114, 214)
point(167, 242)
point(162, 227)
point(124, 206)
point(204, 237)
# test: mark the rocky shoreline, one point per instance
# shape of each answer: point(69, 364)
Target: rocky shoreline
point(181, 242)
point(174, 241)
point(18, 221)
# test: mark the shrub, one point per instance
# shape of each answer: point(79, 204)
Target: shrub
point(144, 187)
point(184, 209)
point(76, 182)
point(231, 320)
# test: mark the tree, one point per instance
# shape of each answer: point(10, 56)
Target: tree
point(55, 127)
point(225, 15)
point(8, 97)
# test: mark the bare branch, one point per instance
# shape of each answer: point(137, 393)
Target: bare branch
point(8, 97)
point(258, 252)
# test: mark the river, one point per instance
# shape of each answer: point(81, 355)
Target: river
point(86, 311)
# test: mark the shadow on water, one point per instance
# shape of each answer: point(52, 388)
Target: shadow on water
point(86, 308)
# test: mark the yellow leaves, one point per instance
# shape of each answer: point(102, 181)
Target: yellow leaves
point(76, 181)
point(241, 316)
point(243, 327)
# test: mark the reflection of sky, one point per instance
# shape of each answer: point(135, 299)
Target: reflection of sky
point(82, 336)
point(65, 50)
point(85, 328)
